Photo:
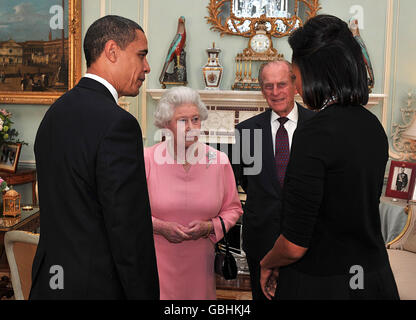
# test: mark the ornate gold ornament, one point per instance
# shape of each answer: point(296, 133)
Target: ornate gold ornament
point(259, 50)
point(258, 20)
point(241, 17)
point(11, 203)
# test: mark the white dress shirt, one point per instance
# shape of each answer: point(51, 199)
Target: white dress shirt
point(290, 125)
point(105, 83)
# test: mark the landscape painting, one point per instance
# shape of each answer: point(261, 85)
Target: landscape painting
point(38, 55)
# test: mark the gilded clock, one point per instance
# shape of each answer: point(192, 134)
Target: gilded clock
point(260, 43)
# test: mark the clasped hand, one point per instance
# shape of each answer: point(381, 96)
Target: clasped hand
point(176, 233)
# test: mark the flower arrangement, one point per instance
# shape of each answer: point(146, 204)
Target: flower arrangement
point(7, 134)
point(3, 185)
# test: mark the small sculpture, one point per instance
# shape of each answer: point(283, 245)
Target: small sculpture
point(176, 50)
point(356, 33)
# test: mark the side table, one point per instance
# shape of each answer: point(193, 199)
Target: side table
point(22, 176)
point(393, 217)
point(237, 289)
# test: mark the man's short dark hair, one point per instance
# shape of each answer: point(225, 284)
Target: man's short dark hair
point(330, 61)
point(111, 27)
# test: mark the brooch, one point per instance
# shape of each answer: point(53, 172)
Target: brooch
point(211, 157)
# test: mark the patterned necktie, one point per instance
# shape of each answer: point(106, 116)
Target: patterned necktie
point(282, 150)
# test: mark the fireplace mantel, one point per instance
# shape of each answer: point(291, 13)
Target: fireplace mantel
point(227, 108)
point(244, 98)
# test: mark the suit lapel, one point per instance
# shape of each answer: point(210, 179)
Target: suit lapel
point(269, 164)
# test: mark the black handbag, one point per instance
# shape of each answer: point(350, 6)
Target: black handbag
point(225, 264)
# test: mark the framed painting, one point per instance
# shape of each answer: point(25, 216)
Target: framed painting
point(401, 179)
point(40, 49)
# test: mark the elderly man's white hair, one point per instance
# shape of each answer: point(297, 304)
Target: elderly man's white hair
point(173, 98)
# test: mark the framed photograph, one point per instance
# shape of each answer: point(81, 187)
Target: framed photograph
point(401, 180)
point(40, 49)
point(9, 156)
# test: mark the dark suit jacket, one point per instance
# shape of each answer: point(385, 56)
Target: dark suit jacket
point(95, 213)
point(261, 219)
point(401, 181)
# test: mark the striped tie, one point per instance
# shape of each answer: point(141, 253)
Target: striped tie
point(282, 150)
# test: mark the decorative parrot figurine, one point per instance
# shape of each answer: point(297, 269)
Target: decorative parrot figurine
point(356, 33)
point(175, 48)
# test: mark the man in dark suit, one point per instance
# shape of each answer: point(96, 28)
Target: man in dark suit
point(402, 180)
point(96, 238)
point(262, 179)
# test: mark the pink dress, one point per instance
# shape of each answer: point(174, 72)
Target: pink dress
point(186, 270)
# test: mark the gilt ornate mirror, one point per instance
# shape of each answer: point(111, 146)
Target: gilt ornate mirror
point(240, 17)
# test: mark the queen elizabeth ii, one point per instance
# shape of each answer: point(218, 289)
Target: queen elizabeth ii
point(190, 186)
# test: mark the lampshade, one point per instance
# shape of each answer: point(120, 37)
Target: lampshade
point(410, 132)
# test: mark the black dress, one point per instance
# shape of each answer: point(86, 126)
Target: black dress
point(332, 189)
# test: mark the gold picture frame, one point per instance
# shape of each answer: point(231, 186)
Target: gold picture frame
point(9, 156)
point(228, 16)
point(35, 54)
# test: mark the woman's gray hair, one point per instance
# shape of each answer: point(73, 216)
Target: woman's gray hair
point(173, 98)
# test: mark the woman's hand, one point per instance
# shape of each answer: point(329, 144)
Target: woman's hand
point(173, 232)
point(268, 281)
point(199, 229)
